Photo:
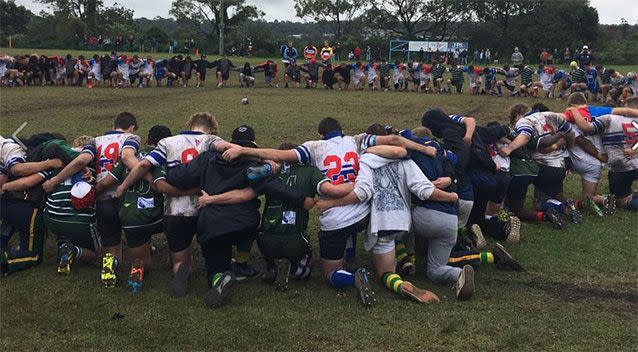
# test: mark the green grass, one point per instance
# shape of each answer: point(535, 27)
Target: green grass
point(579, 291)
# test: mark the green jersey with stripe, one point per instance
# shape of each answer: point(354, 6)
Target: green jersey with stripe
point(526, 76)
point(58, 203)
point(142, 206)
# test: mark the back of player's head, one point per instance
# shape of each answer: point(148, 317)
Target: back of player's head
point(203, 120)
point(632, 102)
point(96, 57)
point(576, 99)
point(612, 72)
point(377, 129)
point(493, 123)
point(81, 141)
point(288, 146)
point(516, 111)
point(157, 133)
point(540, 107)
point(422, 132)
point(125, 120)
point(506, 67)
point(180, 57)
point(328, 125)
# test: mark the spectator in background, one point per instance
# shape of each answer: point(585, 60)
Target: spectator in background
point(476, 57)
point(153, 44)
point(556, 56)
point(464, 55)
point(289, 53)
point(326, 53)
point(585, 57)
point(309, 52)
point(421, 54)
point(544, 56)
point(567, 55)
point(488, 56)
point(357, 53)
point(100, 42)
point(368, 54)
point(482, 57)
point(142, 46)
point(131, 43)
point(517, 57)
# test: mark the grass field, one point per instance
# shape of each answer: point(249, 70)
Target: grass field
point(579, 291)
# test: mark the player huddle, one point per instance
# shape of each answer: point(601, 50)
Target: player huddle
point(600, 83)
point(434, 191)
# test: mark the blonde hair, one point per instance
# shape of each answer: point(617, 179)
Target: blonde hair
point(203, 119)
point(81, 141)
point(422, 132)
point(576, 99)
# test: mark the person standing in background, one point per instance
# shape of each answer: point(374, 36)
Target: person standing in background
point(517, 57)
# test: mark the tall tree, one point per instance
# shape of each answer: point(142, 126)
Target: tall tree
point(502, 12)
point(13, 18)
point(85, 10)
point(204, 15)
point(412, 19)
point(336, 13)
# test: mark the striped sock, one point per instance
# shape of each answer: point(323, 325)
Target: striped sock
point(487, 258)
point(401, 251)
point(393, 282)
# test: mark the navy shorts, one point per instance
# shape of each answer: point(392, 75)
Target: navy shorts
point(332, 244)
point(620, 182)
point(550, 180)
point(179, 231)
point(108, 221)
point(517, 189)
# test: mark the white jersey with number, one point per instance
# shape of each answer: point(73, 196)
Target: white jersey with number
point(177, 150)
point(618, 133)
point(338, 158)
point(538, 125)
point(107, 150)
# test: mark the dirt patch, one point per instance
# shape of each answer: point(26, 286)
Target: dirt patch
point(573, 293)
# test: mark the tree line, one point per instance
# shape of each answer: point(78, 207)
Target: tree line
point(532, 25)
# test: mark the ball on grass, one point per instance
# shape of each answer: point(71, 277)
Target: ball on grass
point(244, 101)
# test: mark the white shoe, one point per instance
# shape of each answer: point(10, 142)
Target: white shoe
point(465, 283)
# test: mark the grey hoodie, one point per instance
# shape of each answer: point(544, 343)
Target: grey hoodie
point(389, 184)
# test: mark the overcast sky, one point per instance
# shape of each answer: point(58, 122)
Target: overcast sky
point(609, 11)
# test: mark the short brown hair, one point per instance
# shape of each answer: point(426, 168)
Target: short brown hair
point(203, 119)
point(517, 110)
point(577, 98)
point(81, 141)
point(125, 120)
point(288, 146)
point(632, 102)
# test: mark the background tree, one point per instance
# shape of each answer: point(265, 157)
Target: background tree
point(204, 15)
point(13, 18)
point(86, 11)
point(338, 14)
point(415, 19)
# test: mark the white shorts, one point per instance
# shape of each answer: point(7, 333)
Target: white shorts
point(476, 83)
point(358, 80)
point(386, 244)
point(425, 76)
point(589, 172)
point(3, 71)
point(124, 73)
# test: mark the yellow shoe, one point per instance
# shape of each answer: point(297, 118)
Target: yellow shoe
point(108, 277)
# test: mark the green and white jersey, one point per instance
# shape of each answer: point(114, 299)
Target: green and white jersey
point(58, 203)
point(285, 218)
point(142, 206)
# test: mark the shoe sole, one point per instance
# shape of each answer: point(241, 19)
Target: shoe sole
point(515, 231)
point(477, 234)
point(500, 251)
point(416, 294)
point(215, 297)
point(283, 274)
point(179, 287)
point(467, 288)
point(362, 284)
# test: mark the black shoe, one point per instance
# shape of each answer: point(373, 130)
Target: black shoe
point(243, 271)
point(505, 260)
point(574, 214)
point(217, 294)
point(406, 266)
point(179, 286)
point(552, 216)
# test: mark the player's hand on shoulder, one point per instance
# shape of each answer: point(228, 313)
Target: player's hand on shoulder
point(232, 153)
